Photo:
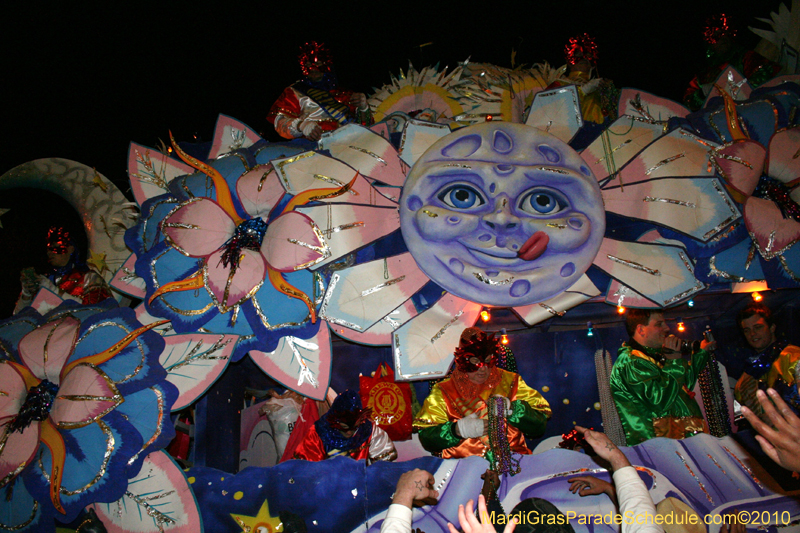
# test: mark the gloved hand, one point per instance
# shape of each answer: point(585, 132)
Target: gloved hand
point(470, 427)
point(591, 85)
point(311, 130)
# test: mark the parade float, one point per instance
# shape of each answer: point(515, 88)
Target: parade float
point(476, 190)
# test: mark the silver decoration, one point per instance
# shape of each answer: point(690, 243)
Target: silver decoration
point(554, 170)
point(444, 328)
point(670, 201)
point(326, 300)
point(305, 371)
point(664, 162)
point(376, 288)
point(198, 354)
point(371, 154)
point(713, 271)
point(734, 212)
point(484, 279)
point(551, 310)
point(634, 265)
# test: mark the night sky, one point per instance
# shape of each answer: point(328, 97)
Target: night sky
point(84, 79)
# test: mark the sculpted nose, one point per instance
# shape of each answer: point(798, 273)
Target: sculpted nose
point(501, 220)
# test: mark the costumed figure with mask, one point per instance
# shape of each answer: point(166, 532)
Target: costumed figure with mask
point(346, 429)
point(315, 105)
point(722, 51)
point(599, 96)
point(454, 420)
point(69, 277)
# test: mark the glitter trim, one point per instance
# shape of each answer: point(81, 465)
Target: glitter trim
point(484, 279)
point(110, 443)
point(744, 467)
point(444, 328)
point(634, 265)
point(670, 201)
point(664, 162)
point(371, 154)
point(697, 479)
point(376, 288)
point(334, 181)
point(551, 310)
point(24, 524)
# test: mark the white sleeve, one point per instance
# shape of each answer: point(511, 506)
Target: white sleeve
point(381, 448)
point(635, 504)
point(398, 519)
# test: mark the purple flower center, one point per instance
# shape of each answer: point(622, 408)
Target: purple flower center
point(771, 189)
point(37, 405)
point(248, 235)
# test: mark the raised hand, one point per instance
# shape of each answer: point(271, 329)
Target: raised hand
point(782, 441)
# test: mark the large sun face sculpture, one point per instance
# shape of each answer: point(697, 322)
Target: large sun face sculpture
point(419, 237)
point(502, 214)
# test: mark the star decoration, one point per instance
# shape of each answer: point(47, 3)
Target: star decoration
point(98, 182)
point(97, 261)
point(263, 522)
point(3, 211)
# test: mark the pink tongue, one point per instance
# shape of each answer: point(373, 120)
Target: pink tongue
point(534, 246)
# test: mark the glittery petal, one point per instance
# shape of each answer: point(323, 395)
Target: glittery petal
point(12, 391)
point(45, 349)
point(291, 241)
point(199, 228)
point(741, 164)
point(85, 395)
point(250, 273)
point(784, 162)
point(259, 191)
point(18, 450)
point(768, 228)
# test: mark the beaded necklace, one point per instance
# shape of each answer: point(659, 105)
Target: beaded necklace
point(713, 395)
point(501, 460)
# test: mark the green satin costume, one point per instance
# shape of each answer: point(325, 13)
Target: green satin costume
point(652, 395)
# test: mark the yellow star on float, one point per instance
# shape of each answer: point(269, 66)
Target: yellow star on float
point(263, 522)
point(98, 181)
point(98, 261)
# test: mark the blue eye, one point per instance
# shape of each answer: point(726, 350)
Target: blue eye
point(543, 202)
point(461, 197)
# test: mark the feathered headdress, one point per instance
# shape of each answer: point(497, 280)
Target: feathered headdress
point(58, 240)
point(718, 27)
point(316, 55)
point(479, 350)
point(581, 47)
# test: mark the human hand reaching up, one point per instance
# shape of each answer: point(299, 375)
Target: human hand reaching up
point(782, 441)
point(470, 524)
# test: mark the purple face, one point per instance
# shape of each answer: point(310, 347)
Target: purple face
point(502, 214)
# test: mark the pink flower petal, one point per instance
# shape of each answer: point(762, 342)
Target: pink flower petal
point(18, 451)
point(783, 163)
point(228, 291)
point(45, 350)
point(86, 395)
point(291, 243)
point(260, 190)
point(14, 391)
point(741, 164)
point(771, 232)
point(198, 228)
